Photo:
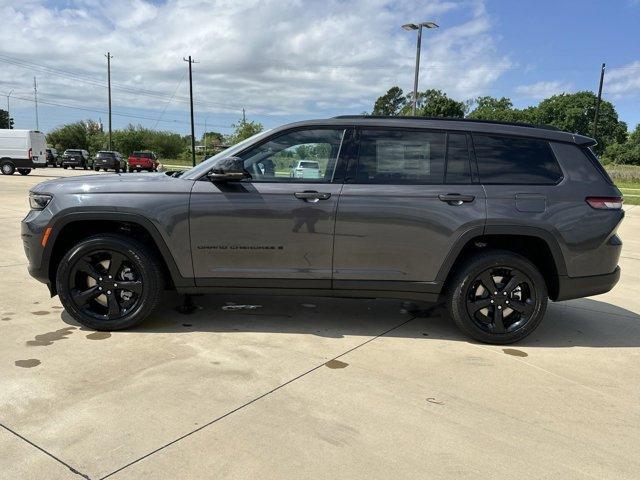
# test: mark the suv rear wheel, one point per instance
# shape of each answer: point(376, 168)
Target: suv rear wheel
point(497, 297)
point(109, 282)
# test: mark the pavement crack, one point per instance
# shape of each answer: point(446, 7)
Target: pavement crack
point(254, 400)
point(73, 470)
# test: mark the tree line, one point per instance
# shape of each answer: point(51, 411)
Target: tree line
point(572, 112)
point(89, 135)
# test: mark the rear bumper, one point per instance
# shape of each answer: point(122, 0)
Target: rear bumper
point(578, 287)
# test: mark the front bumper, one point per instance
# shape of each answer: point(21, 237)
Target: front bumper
point(32, 229)
point(578, 287)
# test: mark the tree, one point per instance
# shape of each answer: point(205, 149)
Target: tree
point(391, 103)
point(435, 103)
point(573, 112)
point(627, 153)
point(5, 120)
point(212, 138)
point(243, 130)
point(73, 135)
point(501, 110)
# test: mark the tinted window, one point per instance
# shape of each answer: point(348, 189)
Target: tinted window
point(298, 156)
point(105, 155)
point(458, 168)
point(401, 157)
point(515, 160)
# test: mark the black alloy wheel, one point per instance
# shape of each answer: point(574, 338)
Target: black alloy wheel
point(497, 297)
point(109, 282)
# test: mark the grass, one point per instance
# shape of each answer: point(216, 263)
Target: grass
point(627, 179)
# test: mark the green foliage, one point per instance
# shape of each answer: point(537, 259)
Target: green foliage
point(391, 103)
point(435, 103)
point(212, 138)
point(627, 153)
point(574, 112)
point(501, 110)
point(5, 121)
point(73, 135)
point(243, 130)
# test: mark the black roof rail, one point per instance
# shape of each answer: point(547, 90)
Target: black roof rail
point(449, 119)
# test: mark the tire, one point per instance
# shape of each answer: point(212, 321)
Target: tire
point(24, 171)
point(97, 169)
point(7, 168)
point(73, 167)
point(467, 293)
point(137, 266)
point(65, 166)
point(130, 170)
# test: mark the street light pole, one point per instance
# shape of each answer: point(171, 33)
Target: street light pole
point(409, 27)
point(193, 134)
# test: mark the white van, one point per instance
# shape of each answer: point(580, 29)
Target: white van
point(22, 150)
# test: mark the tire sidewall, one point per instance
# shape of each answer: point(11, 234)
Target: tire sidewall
point(457, 295)
point(143, 262)
point(7, 168)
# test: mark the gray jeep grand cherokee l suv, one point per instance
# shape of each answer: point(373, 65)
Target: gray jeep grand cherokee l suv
point(493, 219)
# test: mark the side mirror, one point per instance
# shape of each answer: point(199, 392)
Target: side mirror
point(228, 169)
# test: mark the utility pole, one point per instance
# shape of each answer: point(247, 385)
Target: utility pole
point(193, 135)
point(595, 115)
point(109, 57)
point(244, 118)
point(35, 96)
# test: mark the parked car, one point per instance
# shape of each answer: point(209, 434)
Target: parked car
point(490, 219)
point(22, 150)
point(52, 157)
point(144, 160)
point(108, 160)
point(75, 158)
point(306, 169)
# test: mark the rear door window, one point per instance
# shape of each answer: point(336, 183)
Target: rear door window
point(399, 157)
point(515, 160)
point(458, 167)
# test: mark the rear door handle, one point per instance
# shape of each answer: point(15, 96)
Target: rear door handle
point(456, 198)
point(312, 196)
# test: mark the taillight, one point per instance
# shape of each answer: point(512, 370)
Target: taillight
point(605, 203)
point(30, 153)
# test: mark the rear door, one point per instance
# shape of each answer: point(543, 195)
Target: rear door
point(38, 144)
point(409, 199)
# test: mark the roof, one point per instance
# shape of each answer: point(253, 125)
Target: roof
point(544, 132)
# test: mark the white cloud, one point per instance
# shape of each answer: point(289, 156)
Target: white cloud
point(541, 90)
point(273, 56)
point(623, 81)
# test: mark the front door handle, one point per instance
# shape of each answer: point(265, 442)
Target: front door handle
point(312, 196)
point(456, 198)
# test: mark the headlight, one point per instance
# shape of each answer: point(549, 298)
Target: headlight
point(38, 201)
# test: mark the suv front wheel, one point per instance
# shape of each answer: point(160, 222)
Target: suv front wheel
point(109, 282)
point(497, 297)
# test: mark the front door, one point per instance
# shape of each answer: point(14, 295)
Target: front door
point(276, 229)
point(410, 200)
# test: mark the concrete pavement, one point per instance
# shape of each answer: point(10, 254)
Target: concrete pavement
point(312, 387)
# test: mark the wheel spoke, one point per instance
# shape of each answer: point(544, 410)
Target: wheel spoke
point(134, 286)
point(487, 281)
point(82, 297)
point(498, 324)
point(479, 304)
point(114, 306)
point(523, 308)
point(115, 264)
point(513, 283)
point(85, 267)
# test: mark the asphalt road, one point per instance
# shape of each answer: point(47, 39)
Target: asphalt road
point(311, 387)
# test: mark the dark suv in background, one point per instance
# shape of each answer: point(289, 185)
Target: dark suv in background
point(108, 160)
point(491, 219)
point(75, 158)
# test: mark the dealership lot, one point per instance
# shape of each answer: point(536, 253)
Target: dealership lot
point(312, 387)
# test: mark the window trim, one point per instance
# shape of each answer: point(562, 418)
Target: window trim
point(548, 144)
point(338, 172)
point(469, 159)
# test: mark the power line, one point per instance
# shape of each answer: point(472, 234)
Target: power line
point(167, 104)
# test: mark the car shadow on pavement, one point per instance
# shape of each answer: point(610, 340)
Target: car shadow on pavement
point(580, 323)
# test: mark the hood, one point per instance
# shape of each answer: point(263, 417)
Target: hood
point(115, 183)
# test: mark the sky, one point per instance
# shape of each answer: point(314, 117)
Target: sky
point(287, 60)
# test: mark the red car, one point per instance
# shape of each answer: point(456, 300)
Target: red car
point(143, 161)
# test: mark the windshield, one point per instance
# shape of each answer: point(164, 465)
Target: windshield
point(206, 165)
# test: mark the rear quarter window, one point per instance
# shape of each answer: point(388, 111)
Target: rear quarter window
point(515, 160)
